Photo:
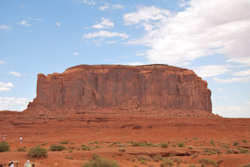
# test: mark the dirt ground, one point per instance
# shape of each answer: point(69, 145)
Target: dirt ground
point(132, 142)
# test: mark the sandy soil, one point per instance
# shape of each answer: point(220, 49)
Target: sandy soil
point(132, 141)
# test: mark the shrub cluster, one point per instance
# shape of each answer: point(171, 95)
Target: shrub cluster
point(37, 152)
point(57, 147)
point(4, 146)
point(100, 162)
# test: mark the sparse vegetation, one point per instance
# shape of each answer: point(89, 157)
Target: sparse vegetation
point(4, 146)
point(181, 144)
point(211, 151)
point(164, 145)
point(100, 162)
point(247, 165)
point(44, 144)
point(143, 159)
point(244, 141)
point(167, 163)
point(157, 158)
point(37, 152)
point(212, 143)
point(235, 144)
point(192, 165)
point(85, 147)
point(65, 142)
point(69, 157)
point(208, 162)
point(57, 147)
point(243, 151)
point(142, 144)
point(122, 150)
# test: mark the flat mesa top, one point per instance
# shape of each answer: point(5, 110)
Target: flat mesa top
point(150, 66)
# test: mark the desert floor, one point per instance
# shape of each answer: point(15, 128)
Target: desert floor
point(132, 142)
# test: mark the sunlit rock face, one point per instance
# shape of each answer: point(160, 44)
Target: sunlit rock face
point(132, 88)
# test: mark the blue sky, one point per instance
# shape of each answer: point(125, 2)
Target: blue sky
point(50, 36)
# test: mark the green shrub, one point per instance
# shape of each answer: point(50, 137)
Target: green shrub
point(180, 144)
point(143, 158)
point(212, 143)
point(243, 151)
point(164, 145)
point(101, 162)
point(142, 144)
point(37, 152)
point(57, 148)
point(244, 141)
point(86, 148)
point(248, 165)
point(235, 144)
point(65, 142)
point(4, 146)
point(44, 144)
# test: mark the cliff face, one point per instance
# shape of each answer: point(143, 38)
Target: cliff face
point(116, 86)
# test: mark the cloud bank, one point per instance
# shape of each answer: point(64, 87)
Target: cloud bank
point(203, 28)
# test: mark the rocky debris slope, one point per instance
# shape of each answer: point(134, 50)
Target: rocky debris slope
point(123, 88)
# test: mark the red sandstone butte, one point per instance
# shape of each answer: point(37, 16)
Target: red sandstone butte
point(157, 87)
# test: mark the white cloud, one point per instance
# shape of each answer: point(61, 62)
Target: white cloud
point(211, 70)
point(16, 74)
point(105, 34)
point(135, 63)
point(202, 29)
point(24, 23)
point(233, 80)
point(111, 6)
point(242, 111)
point(117, 6)
point(2, 62)
point(104, 7)
point(4, 27)
point(147, 16)
point(58, 24)
point(76, 54)
point(6, 86)
point(13, 103)
point(183, 3)
point(105, 23)
point(35, 19)
point(242, 73)
point(89, 2)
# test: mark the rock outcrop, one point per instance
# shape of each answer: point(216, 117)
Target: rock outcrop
point(138, 88)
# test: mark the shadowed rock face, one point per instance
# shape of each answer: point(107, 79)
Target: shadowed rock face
point(116, 86)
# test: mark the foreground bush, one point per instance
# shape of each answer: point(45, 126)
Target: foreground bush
point(57, 148)
point(100, 162)
point(4, 146)
point(248, 165)
point(37, 152)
